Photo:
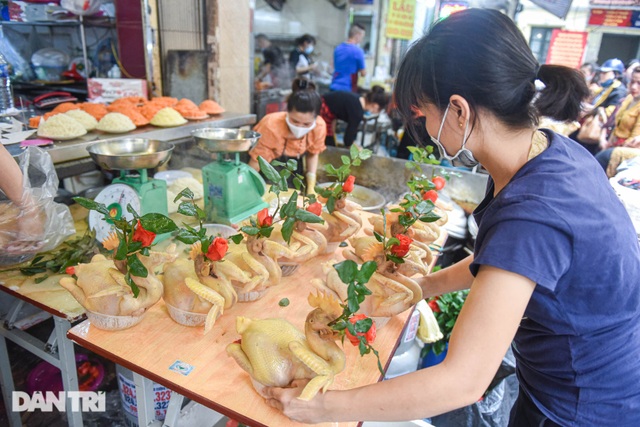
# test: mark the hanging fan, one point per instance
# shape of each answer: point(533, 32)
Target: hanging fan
point(276, 4)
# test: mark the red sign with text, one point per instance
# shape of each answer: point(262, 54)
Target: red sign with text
point(567, 48)
point(610, 18)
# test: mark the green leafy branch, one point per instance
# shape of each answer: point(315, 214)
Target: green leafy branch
point(335, 191)
point(355, 278)
point(288, 213)
point(70, 253)
point(446, 313)
point(128, 249)
point(387, 243)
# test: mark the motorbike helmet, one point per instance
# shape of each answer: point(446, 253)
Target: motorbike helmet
point(613, 65)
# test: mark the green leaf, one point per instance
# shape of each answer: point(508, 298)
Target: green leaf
point(365, 154)
point(91, 205)
point(331, 203)
point(378, 237)
point(269, 171)
point(292, 165)
point(363, 325)
point(121, 251)
point(188, 209)
point(158, 223)
point(132, 285)
point(266, 231)
point(395, 258)
point(366, 271)
point(290, 208)
point(340, 325)
point(251, 231)
point(308, 217)
point(132, 211)
point(393, 241)
point(134, 246)
point(356, 162)
point(41, 278)
point(347, 271)
point(186, 193)
point(297, 183)
point(277, 163)
point(187, 236)
point(236, 238)
point(353, 151)
point(395, 210)
point(331, 170)
point(429, 217)
point(345, 160)
point(283, 302)
point(136, 267)
point(287, 229)
point(145, 251)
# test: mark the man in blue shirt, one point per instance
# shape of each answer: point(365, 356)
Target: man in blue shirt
point(348, 61)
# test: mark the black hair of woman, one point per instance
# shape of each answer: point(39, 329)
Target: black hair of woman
point(482, 56)
point(305, 38)
point(304, 97)
point(377, 95)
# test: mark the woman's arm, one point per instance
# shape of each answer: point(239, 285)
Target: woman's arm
point(453, 278)
point(10, 177)
point(483, 332)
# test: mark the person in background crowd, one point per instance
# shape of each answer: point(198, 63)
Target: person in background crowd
point(626, 133)
point(590, 72)
point(350, 108)
point(348, 61)
point(30, 223)
point(548, 215)
point(272, 66)
point(612, 93)
point(300, 60)
point(631, 65)
point(297, 133)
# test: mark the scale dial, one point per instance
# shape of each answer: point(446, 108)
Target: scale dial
point(115, 197)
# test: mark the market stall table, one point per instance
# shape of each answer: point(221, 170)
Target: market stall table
point(208, 375)
point(57, 350)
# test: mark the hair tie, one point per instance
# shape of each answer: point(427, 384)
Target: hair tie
point(302, 84)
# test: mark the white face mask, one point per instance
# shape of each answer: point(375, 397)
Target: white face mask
point(299, 131)
point(464, 155)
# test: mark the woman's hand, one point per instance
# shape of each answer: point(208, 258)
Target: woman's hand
point(286, 400)
point(633, 142)
point(30, 230)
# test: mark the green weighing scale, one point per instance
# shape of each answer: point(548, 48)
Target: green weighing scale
point(132, 157)
point(232, 190)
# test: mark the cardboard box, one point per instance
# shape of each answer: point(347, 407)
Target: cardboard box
point(108, 90)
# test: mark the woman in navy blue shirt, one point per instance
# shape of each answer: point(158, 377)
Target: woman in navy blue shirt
point(556, 268)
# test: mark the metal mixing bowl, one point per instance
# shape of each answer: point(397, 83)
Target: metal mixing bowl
point(130, 153)
point(222, 140)
point(370, 200)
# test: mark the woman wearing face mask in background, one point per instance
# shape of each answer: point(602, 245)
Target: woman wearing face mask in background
point(300, 57)
point(293, 134)
point(556, 265)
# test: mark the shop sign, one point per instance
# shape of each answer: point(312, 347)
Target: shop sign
point(567, 48)
point(613, 3)
point(610, 18)
point(635, 18)
point(400, 17)
point(559, 8)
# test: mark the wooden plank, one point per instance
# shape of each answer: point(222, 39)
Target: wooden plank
point(216, 381)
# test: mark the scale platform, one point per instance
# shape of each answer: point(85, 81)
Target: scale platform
point(232, 190)
point(132, 157)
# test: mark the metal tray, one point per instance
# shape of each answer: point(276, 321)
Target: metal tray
point(223, 140)
point(130, 153)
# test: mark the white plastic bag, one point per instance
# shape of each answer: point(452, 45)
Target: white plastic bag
point(52, 222)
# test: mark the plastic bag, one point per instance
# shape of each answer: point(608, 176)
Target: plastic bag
point(42, 224)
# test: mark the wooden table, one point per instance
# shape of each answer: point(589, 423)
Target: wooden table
point(216, 381)
point(57, 350)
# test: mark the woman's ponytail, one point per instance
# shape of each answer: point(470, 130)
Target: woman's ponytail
point(564, 92)
point(304, 97)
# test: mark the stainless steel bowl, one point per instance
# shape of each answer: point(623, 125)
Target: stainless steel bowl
point(130, 153)
point(222, 140)
point(370, 200)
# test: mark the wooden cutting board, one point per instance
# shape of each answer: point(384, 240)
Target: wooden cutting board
point(216, 381)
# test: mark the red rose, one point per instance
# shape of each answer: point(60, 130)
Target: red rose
point(264, 219)
point(370, 335)
point(401, 249)
point(433, 304)
point(70, 270)
point(217, 249)
point(439, 182)
point(144, 236)
point(430, 195)
point(315, 208)
point(347, 187)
